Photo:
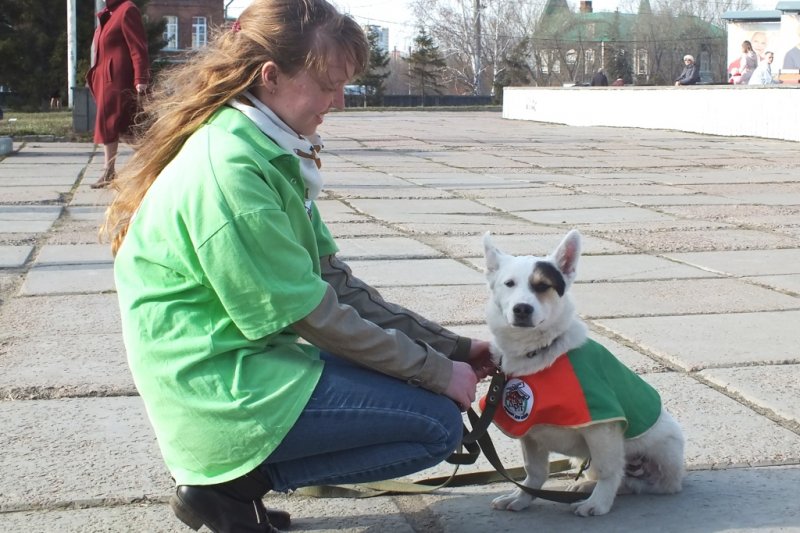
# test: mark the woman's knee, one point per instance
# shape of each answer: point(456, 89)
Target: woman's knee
point(452, 424)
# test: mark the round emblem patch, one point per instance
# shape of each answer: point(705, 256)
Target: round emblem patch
point(518, 399)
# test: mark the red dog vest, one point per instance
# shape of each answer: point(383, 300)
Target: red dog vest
point(585, 386)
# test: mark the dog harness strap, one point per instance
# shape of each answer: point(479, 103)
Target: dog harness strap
point(489, 451)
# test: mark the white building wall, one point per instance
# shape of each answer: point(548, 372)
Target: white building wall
point(770, 112)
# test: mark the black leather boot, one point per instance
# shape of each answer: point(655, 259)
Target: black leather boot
point(232, 507)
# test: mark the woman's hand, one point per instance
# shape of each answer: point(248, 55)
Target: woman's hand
point(480, 359)
point(461, 388)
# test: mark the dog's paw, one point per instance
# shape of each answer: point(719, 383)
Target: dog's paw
point(590, 507)
point(582, 486)
point(516, 501)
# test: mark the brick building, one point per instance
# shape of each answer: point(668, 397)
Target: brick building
point(188, 22)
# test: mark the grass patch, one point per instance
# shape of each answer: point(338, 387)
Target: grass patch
point(55, 123)
point(58, 124)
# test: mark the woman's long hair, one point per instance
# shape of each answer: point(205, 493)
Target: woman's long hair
point(295, 34)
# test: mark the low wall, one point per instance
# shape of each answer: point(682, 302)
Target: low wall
point(769, 111)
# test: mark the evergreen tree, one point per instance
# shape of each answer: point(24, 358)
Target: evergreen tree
point(644, 8)
point(621, 66)
point(374, 78)
point(33, 46)
point(515, 69)
point(426, 65)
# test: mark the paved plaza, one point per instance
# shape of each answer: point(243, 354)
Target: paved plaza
point(690, 274)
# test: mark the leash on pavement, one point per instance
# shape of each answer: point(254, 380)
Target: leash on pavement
point(475, 441)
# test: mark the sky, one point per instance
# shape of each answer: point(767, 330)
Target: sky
point(397, 14)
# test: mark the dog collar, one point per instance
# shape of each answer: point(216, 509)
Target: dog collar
point(537, 351)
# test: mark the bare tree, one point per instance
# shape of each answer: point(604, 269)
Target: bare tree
point(709, 11)
point(473, 59)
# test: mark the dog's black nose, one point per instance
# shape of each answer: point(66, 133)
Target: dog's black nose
point(522, 310)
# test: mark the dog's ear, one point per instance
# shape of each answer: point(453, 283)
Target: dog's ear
point(567, 254)
point(491, 253)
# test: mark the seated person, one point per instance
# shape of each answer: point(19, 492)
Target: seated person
point(690, 74)
point(763, 73)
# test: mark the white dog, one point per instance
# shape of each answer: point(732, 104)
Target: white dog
point(566, 393)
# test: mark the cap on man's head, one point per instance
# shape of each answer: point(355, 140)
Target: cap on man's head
point(688, 57)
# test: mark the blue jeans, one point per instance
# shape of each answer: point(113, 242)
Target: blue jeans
point(361, 426)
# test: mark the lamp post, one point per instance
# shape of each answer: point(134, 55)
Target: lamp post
point(72, 52)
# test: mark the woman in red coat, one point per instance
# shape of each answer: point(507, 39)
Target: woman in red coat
point(120, 72)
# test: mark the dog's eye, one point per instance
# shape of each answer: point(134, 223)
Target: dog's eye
point(509, 283)
point(540, 287)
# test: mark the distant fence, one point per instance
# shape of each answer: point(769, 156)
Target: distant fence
point(413, 100)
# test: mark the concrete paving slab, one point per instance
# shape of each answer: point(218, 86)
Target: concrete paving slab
point(755, 215)
point(611, 229)
point(33, 213)
point(40, 365)
point(9, 169)
point(60, 315)
point(772, 387)
point(765, 193)
point(360, 229)
point(348, 180)
point(687, 297)
point(448, 305)
point(60, 254)
point(396, 192)
point(714, 340)
point(90, 450)
point(515, 190)
point(475, 160)
point(69, 279)
point(415, 272)
point(702, 239)
point(384, 248)
point(546, 203)
point(14, 256)
point(741, 500)
point(78, 232)
point(636, 189)
point(595, 268)
point(540, 177)
point(89, 213)
point(24, 226)
point(721, 432)
point(788, 283)
point(449, 174)
point(34, 193)
point(684, 199)
point(744, 262)
point(86, 196)
point(728, 175)
point(461, 225)
point(594, 216)
point(402, 210)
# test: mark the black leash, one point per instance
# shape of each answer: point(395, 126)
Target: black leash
point(479, 440)
point(474, 442)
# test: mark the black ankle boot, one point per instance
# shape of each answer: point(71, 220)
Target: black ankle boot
point(232, 507)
